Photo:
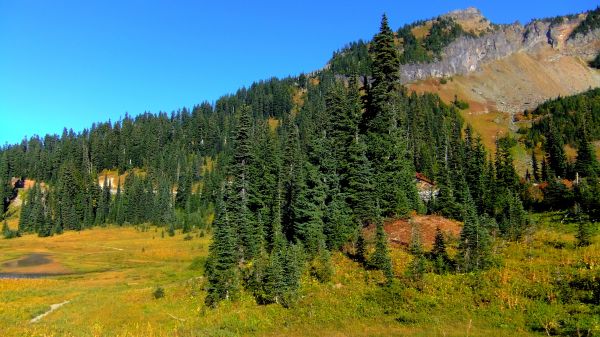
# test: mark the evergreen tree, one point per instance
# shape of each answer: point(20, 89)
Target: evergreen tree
point(163, 209)
point(103, 203)
point(386, 148)
point(184, 189)
point(416, 268)
point(444, 202)
point(515, 218)
point(474, 246)
point(380, 259)
point(274, 280)
point(535, 166)
point(557, 160)
point(25, 215)
point(292, 179)
point(586, 164)
point(584, 236)
point(439, 255)
point(250, 234)
point(545, 172)
point(309, 209)
point(361, 248)
point(119, 215)
point(584, 233)
point(221, 266)
point(360, 187)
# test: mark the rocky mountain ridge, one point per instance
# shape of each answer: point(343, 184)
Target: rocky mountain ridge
point(470, 53)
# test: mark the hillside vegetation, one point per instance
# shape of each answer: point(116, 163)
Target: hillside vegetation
point(539, 286)
point(292, 208)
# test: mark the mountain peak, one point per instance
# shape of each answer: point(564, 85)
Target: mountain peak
point(470, 19)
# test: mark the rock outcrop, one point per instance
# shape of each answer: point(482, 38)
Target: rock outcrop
point(469, 53)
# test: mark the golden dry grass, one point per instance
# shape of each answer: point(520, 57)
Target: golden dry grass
point(117, 269)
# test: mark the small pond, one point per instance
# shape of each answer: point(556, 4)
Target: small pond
point(31, 266)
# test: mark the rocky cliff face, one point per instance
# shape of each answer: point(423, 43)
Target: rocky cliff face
point(468, 54)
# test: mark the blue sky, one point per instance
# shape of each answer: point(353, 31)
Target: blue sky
point(71, 63)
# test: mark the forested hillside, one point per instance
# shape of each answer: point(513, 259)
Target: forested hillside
point(294, 170)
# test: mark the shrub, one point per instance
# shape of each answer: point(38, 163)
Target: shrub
point(159, 292)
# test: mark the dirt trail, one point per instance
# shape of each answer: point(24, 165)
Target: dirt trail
point(53, 307)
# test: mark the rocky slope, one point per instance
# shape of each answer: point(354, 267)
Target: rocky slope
point(469, 54)
point(503, 70)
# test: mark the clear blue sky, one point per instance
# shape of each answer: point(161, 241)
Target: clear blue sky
point(71, 63)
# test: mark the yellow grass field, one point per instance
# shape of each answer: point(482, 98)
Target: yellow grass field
point(116, 270)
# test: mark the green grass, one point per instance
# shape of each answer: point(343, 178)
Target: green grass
point(112, 290)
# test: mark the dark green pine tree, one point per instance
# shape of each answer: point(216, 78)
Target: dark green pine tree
point(103, 203)
point(293, 265)
point(38, 219)
point(71, 205)
point(274, 280)
point(445, 202)
point(249, 232)
point(361, 248)
point(506, 176)
point(554, 146)
point(386, 73)
point(309, 210)
point(184, 188)
point(545, 175)
point(439, 255)
point(417, 267)
point(163, 208)
point(359, 181)
point(386, 148)
point(474, 249)
point(380, 259)
point(535, 166)
point(117, 207)
point(339, 225)
point(292, 179)
point(587, 163)
point(516, 221)
point(584, 233)
point(25, 223)
point(5, 183)
point(222, 263)
point(475, 174)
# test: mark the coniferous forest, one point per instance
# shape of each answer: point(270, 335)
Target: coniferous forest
point(287, 172)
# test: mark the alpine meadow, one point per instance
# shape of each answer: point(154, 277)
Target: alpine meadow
point(441, 178)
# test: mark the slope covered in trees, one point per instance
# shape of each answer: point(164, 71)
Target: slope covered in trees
point(294, 170)
point(354, 58)
point(555, 181)
point(344, 155)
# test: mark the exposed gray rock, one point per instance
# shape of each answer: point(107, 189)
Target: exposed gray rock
point(467, 54)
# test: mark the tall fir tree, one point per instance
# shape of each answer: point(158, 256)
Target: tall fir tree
point(474, 248)
point(250, 233)
point(555, 152)
point(381, 123)
point(535, 166)
point(222, 263)
point(586, 164)
point(380, 259)
point(439, 255)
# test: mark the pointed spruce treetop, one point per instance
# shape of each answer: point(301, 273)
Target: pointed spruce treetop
point(386, 62)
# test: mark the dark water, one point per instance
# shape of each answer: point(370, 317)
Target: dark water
point(24, 276)
point(31, 260)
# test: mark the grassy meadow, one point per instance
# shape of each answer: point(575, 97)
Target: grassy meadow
point(115, 271)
